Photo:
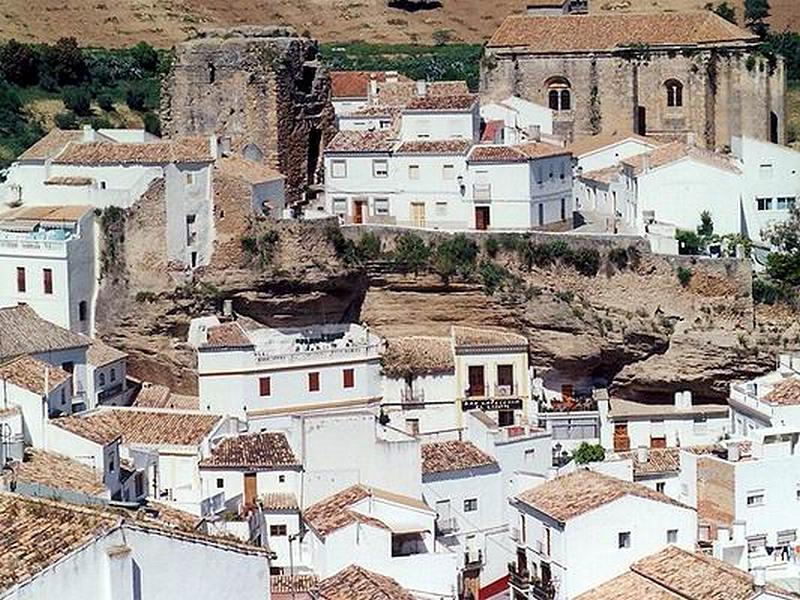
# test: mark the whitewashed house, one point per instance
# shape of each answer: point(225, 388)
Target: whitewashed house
point(630, 424)
point(602, 151)
point(264, 371)
point(165, 445)
point(257, 473)
point(23, 332)
point(106, 375)
point(677, 573)
point(54, 550)
point(465, 486)
point(47, 261)
point(579, 530)
point(772, 400)
point(385, 532)
point(656, 468)
point(521, 118)
point(744, 492)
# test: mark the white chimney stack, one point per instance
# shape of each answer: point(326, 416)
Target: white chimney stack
point(89, 134)
point(422, 87)
point(683, 400)
point(759, 579)
point(642, 454)
point(733, 452)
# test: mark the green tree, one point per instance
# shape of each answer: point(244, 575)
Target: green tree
point(756, 13)
point(145, 56)
point(455, 256)
point(688, 242)
point(706, 228)
point(63, 64)
point(586, 453)
point(724, 10)
point(19, 63)
point(411, 252)
point(152, 124)
point(78, 100)
point(783, 264)
point(66, 120)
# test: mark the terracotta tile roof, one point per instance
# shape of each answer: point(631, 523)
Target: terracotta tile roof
point(279, 501)
point(541, 149)
point(47, 214)
point(487, 153)
point(396, 93)
point(588, 144)
point(417, 355)
point(659, 460)
point(455, 147)
point(621, 408)
point(248, 170)
point(101, 354)
point(674, 151)
point(453, 455)
point(227, 335)
point(29, 373)
point(170, 516)
point(443, 102)
point(58, 472)
point(66, 180)
point(332, 513)
point(473, 337)
point(785, 393)
point(159, 396)
point(569, 496)
point(180, 150)
point(135, 426)
point(375, 110)
point(586, 33)
point(674, 573)
point(447, 88)
point(356, 583)
point(22, 331)
point(37, 534)
point(606, 175)
point(265, 450)
point(355, 84)
point(286, 584)
point(51, 144)
point(362, 141)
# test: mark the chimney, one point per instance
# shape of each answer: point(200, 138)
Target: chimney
point(683, 400)
point(733, 451)
point(759, 579)
point(642, 454)
point(391, 76)
point(738, 531)
point(373, 89)
point(535, 133)
point(422, 87)
point(227, 308)
point(223, 146)
point(89, 134)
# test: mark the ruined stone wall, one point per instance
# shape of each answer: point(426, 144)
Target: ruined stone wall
point(262, 87)
point(724, 91)
point(232, 215)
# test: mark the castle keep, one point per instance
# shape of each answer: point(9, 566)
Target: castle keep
point(261, 87)
point(663, 74)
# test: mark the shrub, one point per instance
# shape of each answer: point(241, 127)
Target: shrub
point(142, 95)
point(455, 256)
point(586, 261)
point(146, 297)
point(249, 245)
point(491, 246)
point(368, 247)
point(105, 102)
point(411, 252)
point(492, 276)
point(66, 120)
point(62, 64)
point(101, 123)
point(345, 249)
point(152, 124)
point(688, 242)
point(618, 257)
point(19, 63)
point(684, 275)
point(586, 453)
point(441, 36)
point(565, 296)
point(145, 56)
point(78, 100)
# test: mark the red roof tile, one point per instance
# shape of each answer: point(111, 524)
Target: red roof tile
point(458, 102)
point(434, 147)
point(362, 141)
point(453, 455)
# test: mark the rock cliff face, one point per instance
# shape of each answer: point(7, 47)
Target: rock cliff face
point(263, 88)
point(636, 327)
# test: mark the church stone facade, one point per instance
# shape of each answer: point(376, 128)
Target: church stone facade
point(675, 75)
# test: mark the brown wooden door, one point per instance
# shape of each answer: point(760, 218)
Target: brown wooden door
point(621, 440)
point(250, 489)
point(481, 217)
point(418, 214)
point(358, 211)
point(658, 442)
point(477, 385)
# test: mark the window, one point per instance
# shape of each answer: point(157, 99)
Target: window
point(413, 171)
point(189, 179)
point(530, 455)
point(340, 206)
point(111, 465)
point(82, 310)
point(660, 486)
point(220, 483)
point(563, 209)
point(674, 93)
point(699, 425)
point(440, 209)
point(338, 168)
point(785, 203)
point(21, 279)
point(281, 478)
point(191, 232)
point(101, 379)
point(102, 185)
point(797, 493)
point(558, 94)
point(412, 426)
point(756, 542)
point(755, 498)
point(765, 171)
point(424, 129)
point(277, 530)
point(624, 539)
point(113, 374)
point(764, 203)
point(313, 381)
point(672, 536)
point(448, 172)
point(63, 397)
point(380, 168)
point(47, 277)
point(348, 378)
point(382, 206)
point(470, 505)
point(264, 386)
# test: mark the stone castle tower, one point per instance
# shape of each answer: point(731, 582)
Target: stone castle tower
point(673, 75)
point(261, 87)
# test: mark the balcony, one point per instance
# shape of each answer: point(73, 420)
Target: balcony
point(412, 398)
point(473, 558)
point(213, 505)
point(446, 526)
point(524, 586)
point(109, 392)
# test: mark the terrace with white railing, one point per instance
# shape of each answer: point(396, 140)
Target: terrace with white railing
point(321, 343)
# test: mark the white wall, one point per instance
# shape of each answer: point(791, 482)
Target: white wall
point(613, 154)
point(440, 125)
point(679, 431)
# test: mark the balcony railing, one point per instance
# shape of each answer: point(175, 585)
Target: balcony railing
point(109, 392)
point(358, 350)
point(529, 587)
point(213, 505)
point(505, 390)
point(412, 397)
point(473, 558)
point(446, 525)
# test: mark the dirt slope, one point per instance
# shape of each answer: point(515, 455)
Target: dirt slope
point(163, 22)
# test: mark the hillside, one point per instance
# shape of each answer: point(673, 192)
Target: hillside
point(163, 22)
